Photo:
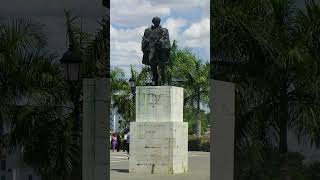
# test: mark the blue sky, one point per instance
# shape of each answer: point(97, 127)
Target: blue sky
point(188, 22)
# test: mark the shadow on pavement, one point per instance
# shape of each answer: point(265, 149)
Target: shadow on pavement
point(121, 170)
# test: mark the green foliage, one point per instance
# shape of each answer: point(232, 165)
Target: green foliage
point(191, 117)
point(268, 49)
point(32, 101)
point(122, 98)
point(193, 143)
point(193, 75)
point(94, 48)
point(268, 168)
point(185, 70)
point(205, 144)
point(196, 143)
point(312, 171)
point(35, 101)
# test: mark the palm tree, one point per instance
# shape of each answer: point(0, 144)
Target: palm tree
point(32, 100)
point(35, 104)
point(192, 74)
point(94, 50)
point(122, 97)
point(121, 94)
point(259, 46)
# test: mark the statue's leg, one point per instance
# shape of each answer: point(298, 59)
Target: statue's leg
point(163, 74)
point(154, 74)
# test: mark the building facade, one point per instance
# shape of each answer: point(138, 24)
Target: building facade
point(115, 120)
point(12, 166)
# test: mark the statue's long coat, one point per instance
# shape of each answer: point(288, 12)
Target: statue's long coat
point(156, 46)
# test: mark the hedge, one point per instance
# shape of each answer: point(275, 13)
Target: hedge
point(194, 143)
point(198, 144)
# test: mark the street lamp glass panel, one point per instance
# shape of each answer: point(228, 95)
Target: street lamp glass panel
point(132, 83)
point(71, 71)
point(74, 69)
point(65, 72)
point(71, 65)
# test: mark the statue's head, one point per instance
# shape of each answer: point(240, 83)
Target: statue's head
point(156, 21)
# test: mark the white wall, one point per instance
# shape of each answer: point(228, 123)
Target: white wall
point(117, 116)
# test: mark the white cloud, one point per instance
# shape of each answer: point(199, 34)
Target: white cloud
point(135, 12)
point(198, 36)
point(180, 4)
point(132, 17)
point(125, 46)
point(131, 34)
point(198, 29)
point(174, 27)
point(132, 13)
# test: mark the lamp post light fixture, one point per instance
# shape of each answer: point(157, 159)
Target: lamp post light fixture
point(133, 86)
point(132, 83)
point(71, 61)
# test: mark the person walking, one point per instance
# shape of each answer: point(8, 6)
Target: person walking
point(125, 142)
point(114, 141)
point(118, 142)
point(128, 142)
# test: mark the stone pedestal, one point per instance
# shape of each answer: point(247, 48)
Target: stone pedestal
point(159, 137)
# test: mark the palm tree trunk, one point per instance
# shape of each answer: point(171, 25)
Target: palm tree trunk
point(198, 115)
point(283, 144)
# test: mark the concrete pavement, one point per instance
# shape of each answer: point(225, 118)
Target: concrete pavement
point(199, 168)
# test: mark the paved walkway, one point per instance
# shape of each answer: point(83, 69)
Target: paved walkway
point(199, 168)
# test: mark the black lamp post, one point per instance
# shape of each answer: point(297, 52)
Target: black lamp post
point(133, 86)
point(71, 61)
point(133, 91)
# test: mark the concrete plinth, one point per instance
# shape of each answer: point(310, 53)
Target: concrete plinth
point(159, 104)
point(159, 137)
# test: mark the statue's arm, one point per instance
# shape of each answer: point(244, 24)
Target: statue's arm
point(145, 40)
point(166, 39)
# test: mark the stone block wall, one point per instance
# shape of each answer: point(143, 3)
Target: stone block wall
point(159, 137)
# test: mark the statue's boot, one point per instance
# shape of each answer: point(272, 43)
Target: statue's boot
point(162, 77)
point(155, 76)
point(155, 82)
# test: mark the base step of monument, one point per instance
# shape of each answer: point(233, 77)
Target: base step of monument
point(158, 147)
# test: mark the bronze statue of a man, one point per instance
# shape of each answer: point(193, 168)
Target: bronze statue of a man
point(156, 50)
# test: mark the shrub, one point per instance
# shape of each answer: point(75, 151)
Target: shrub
point(198, 144)
point(205, 144)
point(312, 171)
point(193, 143)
